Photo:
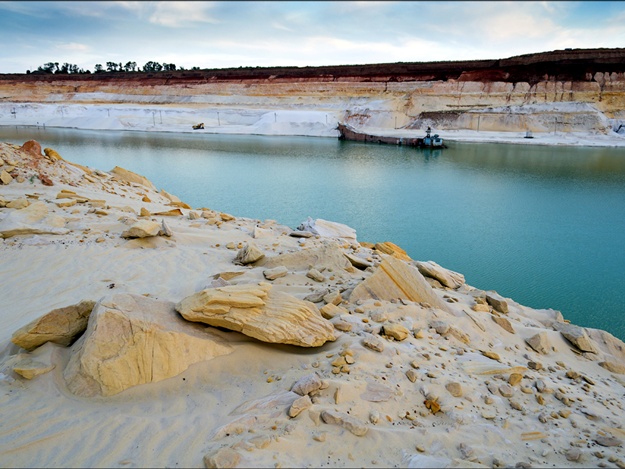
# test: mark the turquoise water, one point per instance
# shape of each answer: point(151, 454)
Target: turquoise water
point(542, 225)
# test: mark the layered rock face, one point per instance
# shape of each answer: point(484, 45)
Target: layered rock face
point(561, 91)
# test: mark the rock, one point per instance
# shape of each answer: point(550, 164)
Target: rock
point(60, 326)
point(142, 229)
point(480, 308)
point(497, 302)
point(395, 279)
point(226, 217)
point(132, 340)
point(18, 204)
point(328, 229)
point(275, 273)
point(330, 311)
point(506, 390)
point(248, 254)
point(514, 379)
point(441, 327)
point(165, 230)
point(373, 344)
point(573, 454)
point(503, 323)
point(5, 177)
point(354, 425)
point(392, 249)
point(299, 406)
point(326, 256)
point(577, 336)
point(28, 368)
point(358, 262)
point(613, 367)
point(315, 275)
point(33, 147)
point(343, 326)
point(396, 331)
point(307, 384)
point(317, 296)
point(259, 311)
point(334, 297)
point(223, 458)
point(491, 355)
point(301, 234)
point(412, 375)
point(539, 342)
point(446, 277)
point(125, 175)
point(52, 154)
point(455, 389)
point(608, 441)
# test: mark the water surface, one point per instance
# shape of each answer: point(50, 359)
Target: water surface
point(542, 225)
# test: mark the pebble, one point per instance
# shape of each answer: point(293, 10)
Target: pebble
point(373, 344)
point(412, 375)
point(608, 441)
point(315, 275)
point(455, 389)
point(573, 455)
point(514, 379)
point(374, 417)
point(506, 390)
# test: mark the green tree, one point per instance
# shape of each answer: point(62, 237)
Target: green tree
point(152, 66)
point(130, 66)
point(111, 67)
point(99, 68)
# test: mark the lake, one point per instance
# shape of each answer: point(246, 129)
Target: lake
point(542, 225)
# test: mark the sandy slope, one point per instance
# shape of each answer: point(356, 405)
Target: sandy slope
point(240, 401)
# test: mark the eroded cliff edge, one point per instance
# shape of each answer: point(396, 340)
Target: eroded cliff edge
point(580, 90)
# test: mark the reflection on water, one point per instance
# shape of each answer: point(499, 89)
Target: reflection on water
point(542, 225)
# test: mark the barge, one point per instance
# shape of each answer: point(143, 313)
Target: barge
point(429, 141)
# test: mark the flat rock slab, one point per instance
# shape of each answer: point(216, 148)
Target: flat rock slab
point(132, 340)
point(446, 277)
point(328, 229)
point(34, 219)
point(395, 279)
point(259, 311)
point(60, 326)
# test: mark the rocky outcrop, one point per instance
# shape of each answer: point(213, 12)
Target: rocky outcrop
point(448, 278)
point(130, 177)
point(132, 340)
point(395, 279)
point(328, 229)
point(60, 326)
point(328, 256)
point(261, 312)
point(143, 229)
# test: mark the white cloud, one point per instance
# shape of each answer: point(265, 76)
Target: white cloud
point(179, 14)
point(73, 46)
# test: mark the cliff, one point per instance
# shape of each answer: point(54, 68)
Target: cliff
point(581, 90)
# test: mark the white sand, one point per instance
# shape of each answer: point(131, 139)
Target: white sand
point(176, 422)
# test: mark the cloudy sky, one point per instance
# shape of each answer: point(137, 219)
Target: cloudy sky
point(236, 33)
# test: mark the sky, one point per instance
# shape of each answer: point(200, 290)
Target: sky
point(215, 34)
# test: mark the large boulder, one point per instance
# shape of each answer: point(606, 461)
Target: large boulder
point(261, 312)
point(577, 336)
point(392, 249)
point(327, 256)
point(132, 340)
point(446, 277)
point(328, 229)
point(60, 326)
point(143, 229)
point(395, 279)
point(34, 219)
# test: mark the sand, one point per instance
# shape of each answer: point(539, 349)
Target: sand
point(458, 390)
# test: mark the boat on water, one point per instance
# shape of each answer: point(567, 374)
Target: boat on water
point(429, 141)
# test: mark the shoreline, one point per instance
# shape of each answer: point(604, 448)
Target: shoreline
point(254, 121)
